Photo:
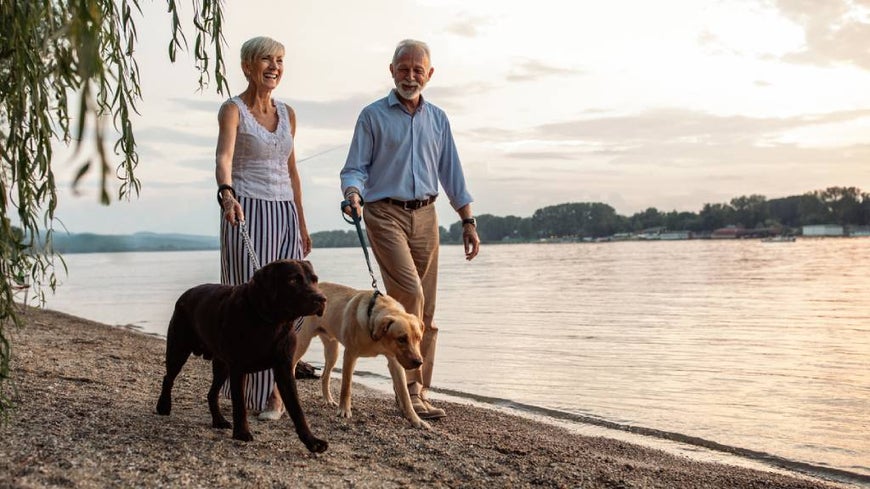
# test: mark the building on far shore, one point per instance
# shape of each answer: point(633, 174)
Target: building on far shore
point(675, 235)
point(823, 230)
point(729, 232)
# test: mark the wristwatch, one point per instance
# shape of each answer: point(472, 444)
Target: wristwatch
point(469, 220)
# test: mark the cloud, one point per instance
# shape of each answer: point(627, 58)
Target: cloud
point(673, 147)
point(160, 135)
point(539, 155)
point(672, 124)
point(835, 31)
point(196, 105)
point(337, 114)
point(532, 70)
point(468, 26)
point(681, 176)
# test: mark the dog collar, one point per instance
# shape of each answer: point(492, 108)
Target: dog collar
point(372, 301)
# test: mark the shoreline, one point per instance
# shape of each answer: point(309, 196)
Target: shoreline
point(84, 417)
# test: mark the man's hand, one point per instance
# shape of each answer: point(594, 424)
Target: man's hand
point(353, 197)
point(470, 240)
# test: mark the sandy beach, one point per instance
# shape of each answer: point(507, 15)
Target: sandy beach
point(84, 418)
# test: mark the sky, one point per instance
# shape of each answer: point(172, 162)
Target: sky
point(668, 104)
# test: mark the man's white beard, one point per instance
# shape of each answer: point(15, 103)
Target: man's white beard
point(409, 95)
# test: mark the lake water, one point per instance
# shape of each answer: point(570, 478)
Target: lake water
point(758, 349)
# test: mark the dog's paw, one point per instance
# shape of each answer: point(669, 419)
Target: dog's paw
point(344, 413)
point(331, 403)
point(243, 436)
point(164, 406)
point(420, 424)
point(221, 423)
point(316, 445)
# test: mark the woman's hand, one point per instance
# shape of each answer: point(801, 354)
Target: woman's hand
point(232, 210)
point(306, 241)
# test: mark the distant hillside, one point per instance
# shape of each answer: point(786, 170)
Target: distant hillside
point(108, 243)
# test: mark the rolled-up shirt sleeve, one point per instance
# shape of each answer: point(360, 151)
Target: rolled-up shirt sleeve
point(450, 172)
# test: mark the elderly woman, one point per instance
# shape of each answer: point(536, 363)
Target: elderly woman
point(258, 185)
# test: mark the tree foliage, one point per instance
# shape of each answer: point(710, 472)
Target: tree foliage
point(68, 74)
point(847, 206)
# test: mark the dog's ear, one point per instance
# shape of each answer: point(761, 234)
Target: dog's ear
point(271, 284)
point(381, 327)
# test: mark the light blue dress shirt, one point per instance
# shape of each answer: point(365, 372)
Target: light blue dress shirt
point(395, 154)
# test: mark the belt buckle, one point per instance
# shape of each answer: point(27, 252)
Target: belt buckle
point(413, 205)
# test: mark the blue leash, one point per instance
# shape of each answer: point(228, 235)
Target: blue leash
point(355, 220)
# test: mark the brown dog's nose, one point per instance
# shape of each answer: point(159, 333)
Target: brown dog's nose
point(415, 363)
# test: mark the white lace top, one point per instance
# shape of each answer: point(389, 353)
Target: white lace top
point(260, 156)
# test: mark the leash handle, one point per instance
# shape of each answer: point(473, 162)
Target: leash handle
point(243, 229)
point(354, 216)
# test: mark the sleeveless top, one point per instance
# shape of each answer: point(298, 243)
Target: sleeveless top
point(260, 157)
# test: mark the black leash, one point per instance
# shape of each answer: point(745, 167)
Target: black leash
point(355, 220)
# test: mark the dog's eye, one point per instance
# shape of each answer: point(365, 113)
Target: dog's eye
point(402, 339)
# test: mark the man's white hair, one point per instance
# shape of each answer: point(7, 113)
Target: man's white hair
point(409, 44)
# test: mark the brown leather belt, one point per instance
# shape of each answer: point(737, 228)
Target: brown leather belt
point(411, 205)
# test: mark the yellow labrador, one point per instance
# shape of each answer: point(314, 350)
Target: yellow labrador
point(367, 325)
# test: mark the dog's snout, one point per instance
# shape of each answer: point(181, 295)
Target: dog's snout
point(416, 362)
point(320, 300)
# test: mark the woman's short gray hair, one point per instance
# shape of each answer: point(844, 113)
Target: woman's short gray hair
point(260, 46)
point(408, 44)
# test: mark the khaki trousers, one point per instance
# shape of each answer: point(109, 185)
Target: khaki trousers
point(405, 245)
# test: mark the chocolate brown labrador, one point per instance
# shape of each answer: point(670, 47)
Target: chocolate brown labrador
point(242, 329)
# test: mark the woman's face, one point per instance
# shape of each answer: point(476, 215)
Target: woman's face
point(265, 71)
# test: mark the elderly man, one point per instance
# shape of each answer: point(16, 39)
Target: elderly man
point(402, 148)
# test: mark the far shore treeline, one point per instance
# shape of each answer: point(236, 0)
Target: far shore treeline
point(845, 206)
point(755, 214)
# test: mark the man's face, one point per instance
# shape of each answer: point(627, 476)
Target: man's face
point(411, 72)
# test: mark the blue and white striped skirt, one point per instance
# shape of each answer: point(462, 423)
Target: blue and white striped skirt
point(273, 227)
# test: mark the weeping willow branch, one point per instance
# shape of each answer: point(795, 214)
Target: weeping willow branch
point(67, 69)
